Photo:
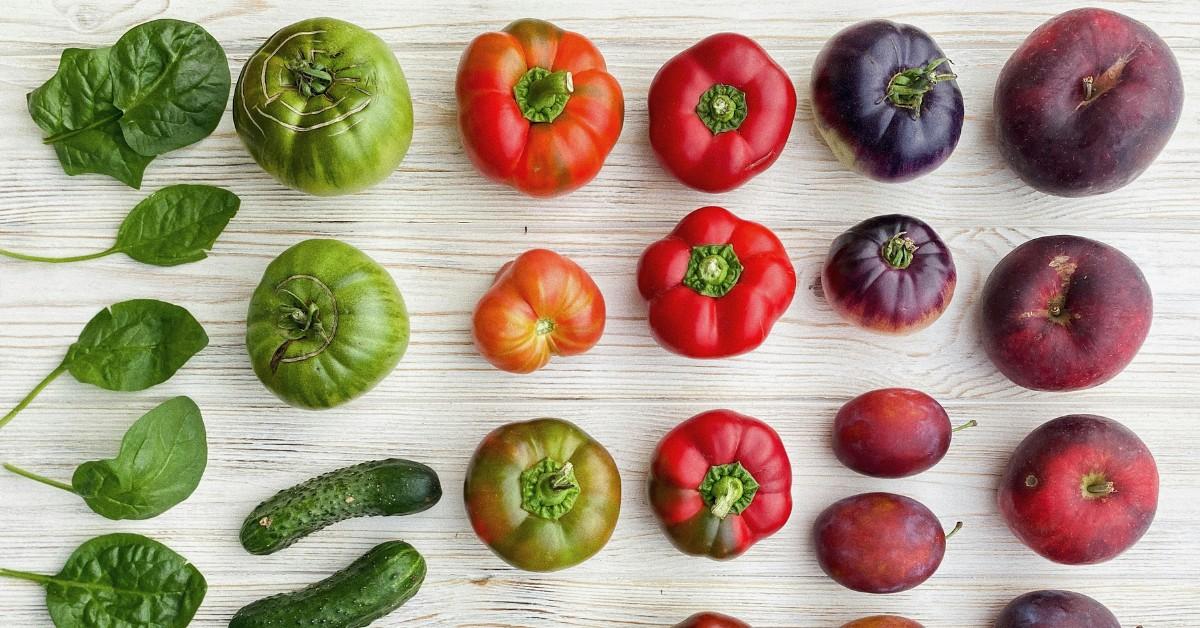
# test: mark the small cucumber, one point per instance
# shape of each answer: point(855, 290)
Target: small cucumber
point(379, 487)
point(376, 584)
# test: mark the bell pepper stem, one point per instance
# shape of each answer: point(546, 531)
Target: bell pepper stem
point(549, 489)
point(908, 87)
point(713, 270)
point(898, 251)
point(722, 108)
point(727, 489)
point(542, 95)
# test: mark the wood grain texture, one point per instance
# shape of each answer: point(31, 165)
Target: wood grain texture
point(443, 230)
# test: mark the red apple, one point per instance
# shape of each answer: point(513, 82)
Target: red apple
point(879, 542)
point(1086, 103)
point(1056, 609)
point(1080, 489)
point(892, 432)
point(1064, 313)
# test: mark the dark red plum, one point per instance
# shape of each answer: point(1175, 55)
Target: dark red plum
point(1056, 609)
point(1064, 313)
point(886, 101)
point(1080, 489)
point(1086, 103)
point(879, 542)
point(890, 274)
point(892, 432)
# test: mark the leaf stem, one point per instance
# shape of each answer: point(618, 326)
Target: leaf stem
point(57, 260)
point(39, 478)
point(25, 575)
point(33, 393)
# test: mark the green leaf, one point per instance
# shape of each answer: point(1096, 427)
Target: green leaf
point(176, 224)
point(161, 461)
point(133, 345)
point(171, 80)
point(121, 581)
point(75, 109)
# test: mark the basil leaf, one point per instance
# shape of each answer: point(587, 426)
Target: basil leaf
point(175, 225)
point(75, 109)
point(131, 345)
point(121, 581)
point(161, 461)
point(134, 345)
point(171, 80)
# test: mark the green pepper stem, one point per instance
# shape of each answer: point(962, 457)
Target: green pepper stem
point(898, 251)
point(549, 489)
point(62, 368)
point(713, 270)
point(722, 108)
point(542, 95)
point(38, 478)
point(56, 260)
point(907, 88)
point(728, 490)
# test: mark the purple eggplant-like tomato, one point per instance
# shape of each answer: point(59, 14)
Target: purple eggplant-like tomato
point(891, 274)
point(886, 101)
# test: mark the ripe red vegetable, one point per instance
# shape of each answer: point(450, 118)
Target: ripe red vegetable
point(892, 432)
point(890, 274)
point(716, 284)
point(537, 108)
point(720, 112)
point(1080, 489)
point(720, 481)
point(879, 542)
point(711, 620)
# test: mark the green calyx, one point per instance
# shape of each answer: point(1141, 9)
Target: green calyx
point(907, 88)
point(727, 488)
point(898, 251)
point(713, 270)
point(311, 77)
point(542, 95)
point(308, 313)
point(549, 489)
point(722, 108)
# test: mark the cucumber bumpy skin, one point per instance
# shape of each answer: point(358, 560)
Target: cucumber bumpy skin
point(379, 487)
point(376, 584)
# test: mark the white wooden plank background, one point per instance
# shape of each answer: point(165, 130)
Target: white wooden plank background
point(443, 230)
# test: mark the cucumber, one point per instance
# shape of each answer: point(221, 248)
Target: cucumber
point(379, 487)
point(376, 584)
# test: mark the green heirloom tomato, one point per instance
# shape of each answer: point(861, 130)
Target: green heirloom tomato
point(325, 325)
point(323, 107)
point(542, 494)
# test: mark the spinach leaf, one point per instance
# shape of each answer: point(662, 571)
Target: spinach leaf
point(171, 80)
point(162, 86)
point(175, 225)
point(76, 110)
point(131, 345)
point(121, 581)
point(161, 461)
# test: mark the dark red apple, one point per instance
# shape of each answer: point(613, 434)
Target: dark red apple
point(879, 542)
point(1056, 609)
point(711, 620)
point(1086, 103)
point(1080, 489)
point(1064, 313)
point(892, 432)
point(883, 621)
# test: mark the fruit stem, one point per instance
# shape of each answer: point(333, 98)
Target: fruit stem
point(898, 251)
point(1095, 86)
point(713, 270)
point(56, 260)
point(542, 95)
point(957, 526)
point(38, 478)
point(1101, 489)
point(907, 88)
point(34, 393)
point(728, 489)
point(971, 423)
point(722, 108)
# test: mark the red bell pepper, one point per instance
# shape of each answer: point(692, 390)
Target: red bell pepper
point(720, 481)
point(720, 112)
point(716, 284)
point(537, 108)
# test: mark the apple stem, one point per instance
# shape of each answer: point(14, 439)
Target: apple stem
point(1095, 86)
point(1101, 489)
point(971, 423)
point(957, 526)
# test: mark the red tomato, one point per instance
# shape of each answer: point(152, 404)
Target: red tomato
point(720, 112)
point(537, 108)
point(540, 304)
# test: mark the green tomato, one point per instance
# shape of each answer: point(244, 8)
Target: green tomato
point(325, 325)
point(324, 108)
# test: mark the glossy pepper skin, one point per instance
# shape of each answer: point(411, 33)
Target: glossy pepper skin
point(542, 494)
point(715, 285)
point(720, 112)
point(540, 304)
point(885, 100)
point(711, 620)
point(537, 108)
point(720, 481)
point(890, 274)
